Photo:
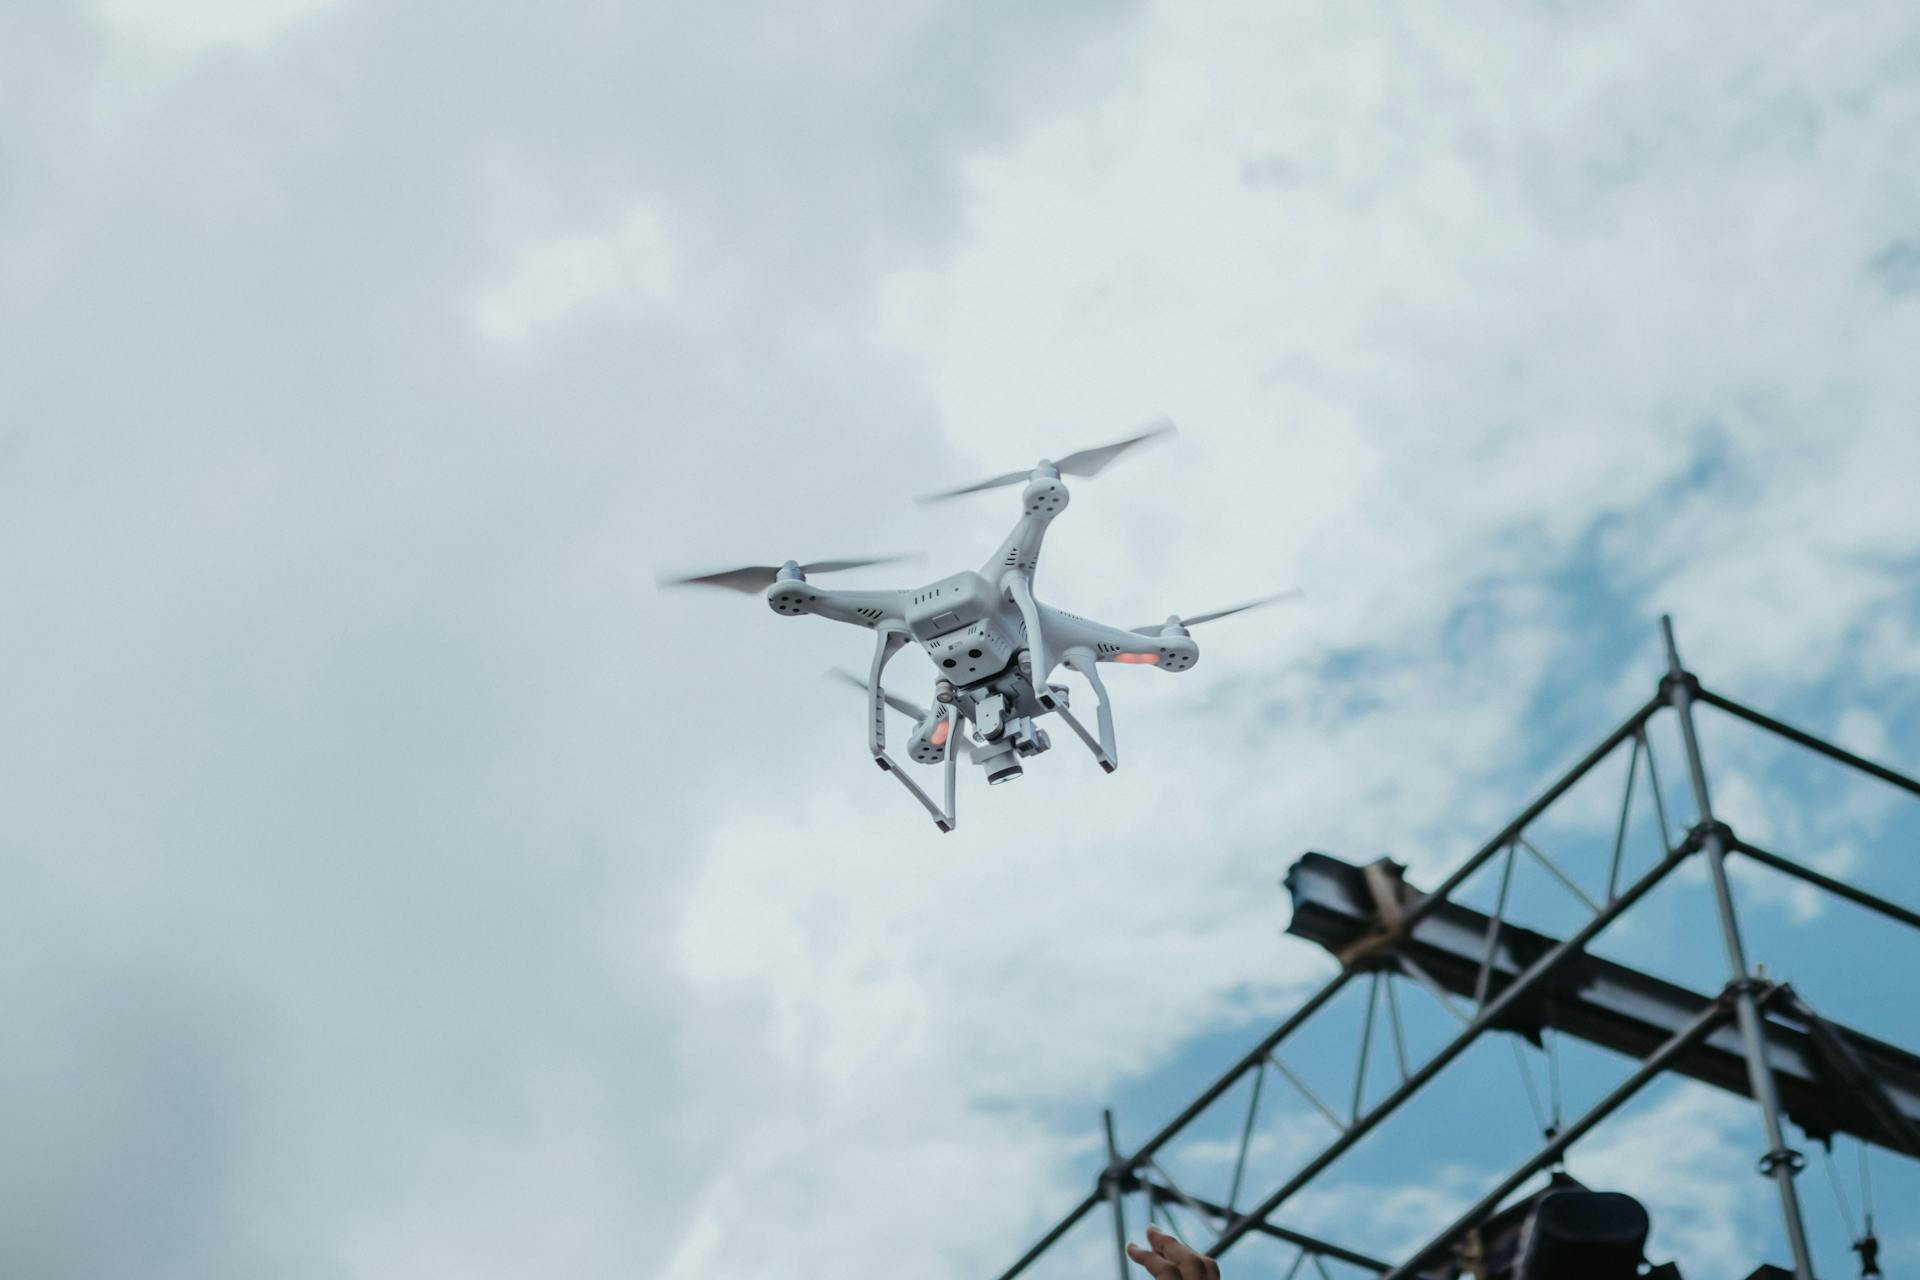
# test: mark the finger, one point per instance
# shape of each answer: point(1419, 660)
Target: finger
point(1168, 1246)
point(1156, 1266)
point(1188, 1265)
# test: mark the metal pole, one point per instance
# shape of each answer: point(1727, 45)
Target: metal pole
point(1781, 1162)
point(1246, 1139)
point(1309, 1243)
point(1495, 1009)
point(1656, 1062)
point(1493, 922)
point(1810, 742)
point(1255, 1058)
point(1113, 1194)
point(1541, 804)
point(1840, 888)
point(1059, 1229)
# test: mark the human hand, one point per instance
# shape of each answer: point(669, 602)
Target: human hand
point(1168, 1259)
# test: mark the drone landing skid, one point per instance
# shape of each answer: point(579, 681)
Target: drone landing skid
point(887, 643)
point(1103, 748)
point(1022, 593)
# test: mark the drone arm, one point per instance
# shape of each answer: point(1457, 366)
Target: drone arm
point(887, 642)
point(1021, 590)
point(1104, 749)
point(857, 608)
point(1175, 653)
point(1021, 547)
point(1044, 498)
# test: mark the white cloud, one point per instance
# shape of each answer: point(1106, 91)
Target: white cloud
point(631, 264)
point(483, 1206)
point(195, 26)
point(559, 895)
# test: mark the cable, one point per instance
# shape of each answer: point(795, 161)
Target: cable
point(1868, 1245)
point(1865, 1243)
point(1839, 1196)
point(1553, 1074)
point(1866, 1187)
point(1526, 1078)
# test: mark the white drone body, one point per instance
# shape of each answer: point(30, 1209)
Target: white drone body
point(992, 643)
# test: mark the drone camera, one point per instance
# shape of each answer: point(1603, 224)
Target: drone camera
point(1000, 760)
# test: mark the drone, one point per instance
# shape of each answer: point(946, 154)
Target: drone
point(994, 646)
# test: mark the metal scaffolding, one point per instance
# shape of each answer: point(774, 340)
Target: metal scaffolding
point(1755, 1037)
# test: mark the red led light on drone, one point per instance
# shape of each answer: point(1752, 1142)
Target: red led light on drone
point(1137, 659)
point(940, 732)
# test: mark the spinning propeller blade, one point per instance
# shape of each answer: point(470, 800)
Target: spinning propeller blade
point(1091, 462)
point(758, 577)
point(1085, 462)
point(898, 703)
point(1010, 477)
point(1198, 618)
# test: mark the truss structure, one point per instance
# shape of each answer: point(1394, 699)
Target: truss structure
point(1756, 1037)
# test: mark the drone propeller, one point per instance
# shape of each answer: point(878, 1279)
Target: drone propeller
point(1198, 618)
point(758, 577)
point(1086, 462)
point(903, 706)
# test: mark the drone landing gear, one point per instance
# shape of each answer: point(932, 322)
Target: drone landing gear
point(887, 643)
point(1022, 594)
point(1104, 749)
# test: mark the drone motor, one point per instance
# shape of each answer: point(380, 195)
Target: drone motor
point(1045, 497)
point(929, 744)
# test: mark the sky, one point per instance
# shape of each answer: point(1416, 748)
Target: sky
point(398, 882)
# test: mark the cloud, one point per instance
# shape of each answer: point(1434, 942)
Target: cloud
point(401, 882)
point(198, 26)
point(630, 264)
point(338, 673)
